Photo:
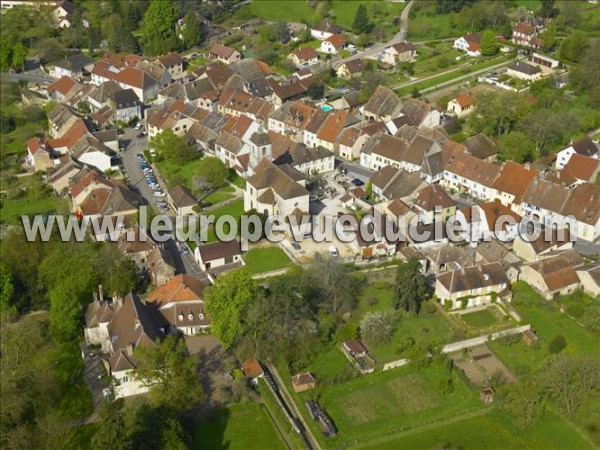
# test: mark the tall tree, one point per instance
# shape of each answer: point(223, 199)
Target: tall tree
point(227, 302)
point(159, 28)
point(377, 328)
point(412, 288)
point(516, 146)
point(65, 314)
point(7, 291)
point(191, 32)
point(171, 372)
point(361, 22)
point(574, 46)
point(548, 9)
point(212, 173)
point(489, 43)
point(173, 148)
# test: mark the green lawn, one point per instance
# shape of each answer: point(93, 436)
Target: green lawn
point(30, 204)
point(380, 13)
point(285, 11)
point(547, 321)
point(265, 259)
point(243, 426)
point(221, 195)
point(435, 57)
point(492, 430)
point(384, 403)
point(479, 319)
point(430, 328)
point(234, 209)
point(431, 25)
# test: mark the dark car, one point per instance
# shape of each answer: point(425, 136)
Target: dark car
point(357, 182)
point(141, 135)
point(296, 246)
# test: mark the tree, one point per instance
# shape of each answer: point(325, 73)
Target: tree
point(377, 328)
point(516, 146)
point(65, 314)
point(18, 55)
point(7, 291)
point(557, 344)
point(574, 46)
point(173, 148)
point(361, 22)
point(524, 401)
point(315, 91)
point(171, 373)
point(489, 43)
point(332, 285)
point(191, 32)
point(212, 173)
point(548, 10)
point(159, 28)
point(412, 288)
point(227, 302)
point(548, 37)
point(573, 383)
point(497, 112)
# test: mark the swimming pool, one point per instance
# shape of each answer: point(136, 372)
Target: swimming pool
point(326, 108)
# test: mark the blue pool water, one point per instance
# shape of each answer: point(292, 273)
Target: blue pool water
point(326, 107)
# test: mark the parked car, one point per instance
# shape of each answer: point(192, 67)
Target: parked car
point(333, 251)
point(138, 126)
point(357, 182)
point(141, 135)
point(159, 194)
point(184, 250)
point(296, 246)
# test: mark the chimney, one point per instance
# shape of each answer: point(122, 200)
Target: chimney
point(117, 302)
point(95, 297)
point(100, 293)
point(129, 349)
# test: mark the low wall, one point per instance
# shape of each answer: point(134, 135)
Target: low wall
point(457, 346)
point(394, 364)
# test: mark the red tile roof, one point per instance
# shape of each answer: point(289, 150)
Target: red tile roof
point(336, 40)
point(180, 288)
point(62, 85)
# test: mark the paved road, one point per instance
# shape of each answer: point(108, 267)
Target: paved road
point(184, 264)
point(355, 170)
point(15, 77)
point(376, 48)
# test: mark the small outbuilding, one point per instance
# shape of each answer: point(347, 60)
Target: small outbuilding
point(487, 395)
point(303, 382)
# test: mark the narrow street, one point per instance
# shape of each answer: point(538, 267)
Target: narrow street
point(184, 264)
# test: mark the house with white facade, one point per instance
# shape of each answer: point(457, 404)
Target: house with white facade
point(472, 286)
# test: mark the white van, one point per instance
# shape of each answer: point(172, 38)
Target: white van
point(333, 251)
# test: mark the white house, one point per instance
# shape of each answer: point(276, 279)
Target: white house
point(469, 43)
point(218, 254)
point(333, 44)
point(324, 30)
point(584, 147)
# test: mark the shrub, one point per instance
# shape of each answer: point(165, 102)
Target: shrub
point(377, 328)
point(444, 386)
point(576, 311)
point(557, 344)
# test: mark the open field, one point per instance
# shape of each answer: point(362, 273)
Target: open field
point(342, 12)
point(242, 426)
point(489, 430)
point(380, 404)
point(265, 259)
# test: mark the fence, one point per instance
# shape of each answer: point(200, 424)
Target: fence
point(460, 345)
point(394, 364)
